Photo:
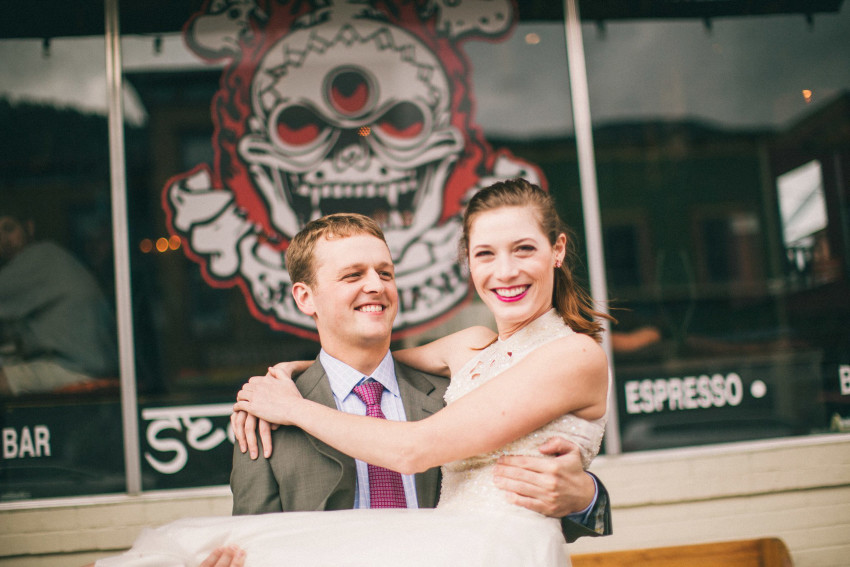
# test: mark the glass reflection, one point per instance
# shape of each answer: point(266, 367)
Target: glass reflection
point(59, 410)
point(723, 192)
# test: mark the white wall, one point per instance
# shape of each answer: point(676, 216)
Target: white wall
point(795, 489)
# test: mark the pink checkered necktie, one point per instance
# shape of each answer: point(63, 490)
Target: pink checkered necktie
point(385, 487)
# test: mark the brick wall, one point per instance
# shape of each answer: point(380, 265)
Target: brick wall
point(795, 489)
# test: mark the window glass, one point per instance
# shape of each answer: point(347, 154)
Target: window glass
point(242, 125)
point(59, 409)
point(722, 158)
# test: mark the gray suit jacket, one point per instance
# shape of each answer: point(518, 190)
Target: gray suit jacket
point(304, 473)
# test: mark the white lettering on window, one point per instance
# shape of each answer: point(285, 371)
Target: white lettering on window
point(33, 442)
point(689, 393)
point(844, 378)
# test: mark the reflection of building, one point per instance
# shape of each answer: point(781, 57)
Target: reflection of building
point(751, 346)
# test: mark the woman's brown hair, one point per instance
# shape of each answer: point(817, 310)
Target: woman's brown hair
point(572, 302)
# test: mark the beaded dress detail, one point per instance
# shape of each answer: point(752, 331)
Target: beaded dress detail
point(468, 483)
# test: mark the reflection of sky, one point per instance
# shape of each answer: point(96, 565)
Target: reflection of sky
point(746, 72)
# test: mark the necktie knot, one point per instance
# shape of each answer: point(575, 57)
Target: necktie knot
point(370, 393)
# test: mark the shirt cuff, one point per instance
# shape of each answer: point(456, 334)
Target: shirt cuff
point(581, 517)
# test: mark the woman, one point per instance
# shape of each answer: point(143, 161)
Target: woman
point(542, 375)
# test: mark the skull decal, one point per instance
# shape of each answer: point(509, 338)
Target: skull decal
point(355, 107)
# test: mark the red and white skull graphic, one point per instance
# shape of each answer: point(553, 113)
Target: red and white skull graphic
point(350, 107)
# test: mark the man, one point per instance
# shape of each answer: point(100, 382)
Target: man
point(343, 278)
point(53, 312)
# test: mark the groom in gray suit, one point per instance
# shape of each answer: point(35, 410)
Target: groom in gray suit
point(342, 276)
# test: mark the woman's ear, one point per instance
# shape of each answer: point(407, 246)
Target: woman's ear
point(303, 296)
point(560, 248)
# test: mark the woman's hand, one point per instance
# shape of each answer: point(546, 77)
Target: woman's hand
point(246, 427)
point(271, 397)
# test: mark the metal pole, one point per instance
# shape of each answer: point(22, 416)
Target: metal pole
point(120, 240)
point(590, 200)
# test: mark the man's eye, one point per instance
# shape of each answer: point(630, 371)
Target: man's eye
point(351, 276)
point(387, 275)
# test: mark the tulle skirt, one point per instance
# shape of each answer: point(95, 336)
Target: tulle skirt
point(349, 538)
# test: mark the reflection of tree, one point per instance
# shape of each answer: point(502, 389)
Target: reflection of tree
point(41, 141)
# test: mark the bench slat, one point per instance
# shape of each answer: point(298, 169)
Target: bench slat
point(764, 552)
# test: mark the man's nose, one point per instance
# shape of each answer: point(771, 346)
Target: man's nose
point(372, 282)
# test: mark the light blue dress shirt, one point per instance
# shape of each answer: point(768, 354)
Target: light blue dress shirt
point(343, 379)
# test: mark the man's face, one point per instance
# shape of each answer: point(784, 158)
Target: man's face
point(353, 298)
point(13, 237)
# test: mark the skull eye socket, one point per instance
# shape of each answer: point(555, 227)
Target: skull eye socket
point(298, 126)
point(350, 92)
point(403, 121)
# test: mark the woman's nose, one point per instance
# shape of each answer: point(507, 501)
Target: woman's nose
point(506, 268)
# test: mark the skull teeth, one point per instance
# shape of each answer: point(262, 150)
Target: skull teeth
point(390, 191)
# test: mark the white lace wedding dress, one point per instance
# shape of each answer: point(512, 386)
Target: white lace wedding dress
point(474, 525)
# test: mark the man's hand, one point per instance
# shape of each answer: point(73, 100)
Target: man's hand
point(554, 487)
point(230, 556)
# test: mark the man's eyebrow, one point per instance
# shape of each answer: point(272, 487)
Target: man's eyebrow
point(356, 267)
point(360, 266)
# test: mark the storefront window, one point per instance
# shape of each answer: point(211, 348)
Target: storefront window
point(243, 123)
point(59, 409)
point(721, 152)
point(722, 158)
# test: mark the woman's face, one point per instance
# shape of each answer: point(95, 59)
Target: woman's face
point(512, 265)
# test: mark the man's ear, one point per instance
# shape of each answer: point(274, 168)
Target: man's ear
point(303, 296)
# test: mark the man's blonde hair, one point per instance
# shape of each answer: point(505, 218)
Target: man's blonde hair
point(300, 261)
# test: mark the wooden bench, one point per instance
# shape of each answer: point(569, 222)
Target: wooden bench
point(765, 552)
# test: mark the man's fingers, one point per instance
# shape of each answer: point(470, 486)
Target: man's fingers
point(515, 465)
point(533, 504)
point(266, 438)
point(230, 556)
point(521, 484)
point(212, 558)
point(557, 446)
point(250, 430)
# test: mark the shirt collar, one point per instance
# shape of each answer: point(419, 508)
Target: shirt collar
point(344, 378)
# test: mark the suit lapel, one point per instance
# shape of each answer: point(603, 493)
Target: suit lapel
point(314, 385)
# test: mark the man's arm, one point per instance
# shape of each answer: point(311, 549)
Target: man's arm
point(253, 484)
point(597, 521)
point(557, 487)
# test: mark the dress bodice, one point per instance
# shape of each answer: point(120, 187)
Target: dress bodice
point(468, 483)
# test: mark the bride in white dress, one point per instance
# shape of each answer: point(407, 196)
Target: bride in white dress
point(543, 375)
